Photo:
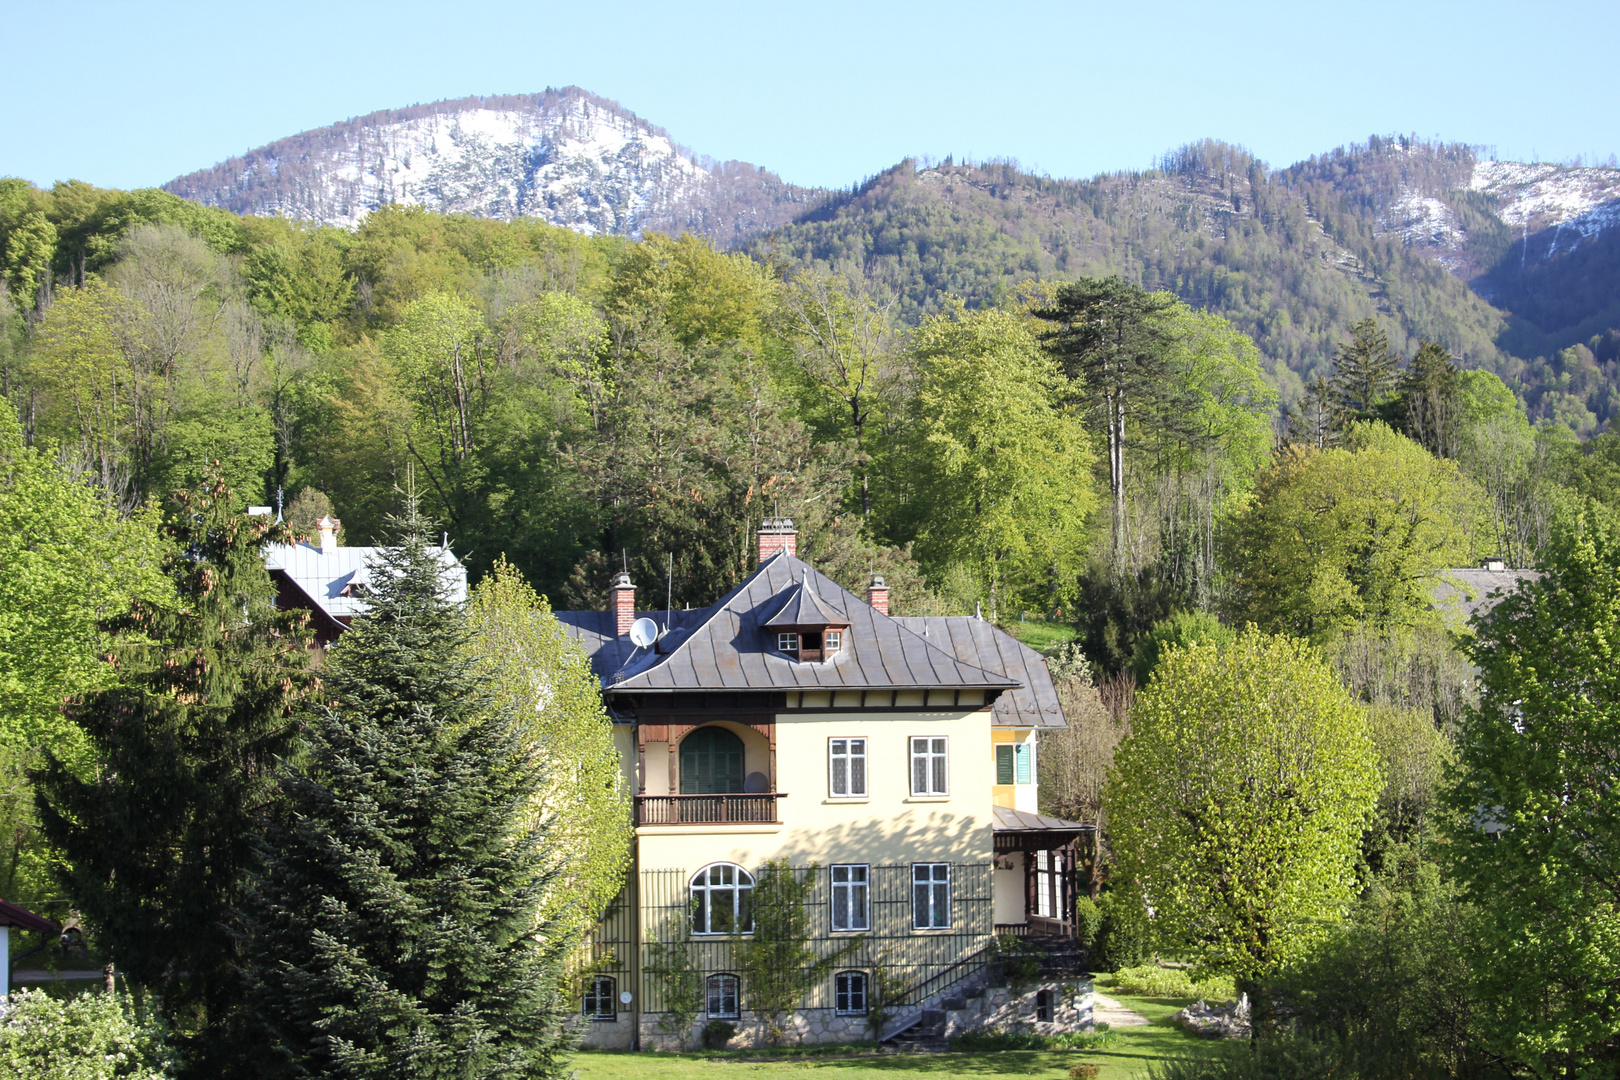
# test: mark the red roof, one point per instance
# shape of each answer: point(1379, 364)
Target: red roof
point(23, 919)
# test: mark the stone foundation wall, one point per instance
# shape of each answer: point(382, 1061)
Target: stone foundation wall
point(810, 1026)
point(1072, 1009)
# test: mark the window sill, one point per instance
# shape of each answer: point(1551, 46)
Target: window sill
point(927, 930)
point(866, 931)
point(929, 798)
point(843, 800)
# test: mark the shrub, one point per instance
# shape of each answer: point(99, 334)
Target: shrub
point(1085, 1071)
point(1268, 1059)
point(1150, 980)
point(86, 1037)
point(716, 1033)
point(1087, 920)
point(1122, 937)
point(994, 1040)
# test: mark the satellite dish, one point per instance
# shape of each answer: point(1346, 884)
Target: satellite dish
point(643, 632)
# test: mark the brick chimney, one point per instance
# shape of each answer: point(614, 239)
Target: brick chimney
point(777, 534)
point(328, 528)
point(624, 602)
point(877, 594)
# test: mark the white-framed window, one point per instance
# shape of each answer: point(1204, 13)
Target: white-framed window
point(788, 643)
point(724, 1001)
point(833, 640)
point(846, 768)
point(849, 992)
point(851, 897)
point(931, 896)
point(928, 765)
point(1014, 763)
point(601, 998)
point(721, 895)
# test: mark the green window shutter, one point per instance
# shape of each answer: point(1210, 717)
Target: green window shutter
point(1004, 764)
point(1022, 753)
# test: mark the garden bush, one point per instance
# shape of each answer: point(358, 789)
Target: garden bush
point(85, 1037)
point(1150, 980)
point(1121, 939)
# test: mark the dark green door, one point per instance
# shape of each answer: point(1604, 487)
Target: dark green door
point(711, 762)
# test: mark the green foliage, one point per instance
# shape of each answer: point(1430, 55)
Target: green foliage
point(1179, 630)
point(1151, 980)
point(1364, 372)
point(1020, 962)
point(398, 922)
point(991, 1040)
point(157, 827)
point(1087, 920)
point(1349, 534)
point(1534, 842)
point(990, 467)
point(1392, 982)
point(1238, 801)
point(1123, 937)
point(1270, 1059)
point(542, 676)
point(716, 1033)
point(779, 962)
point(84, 1037)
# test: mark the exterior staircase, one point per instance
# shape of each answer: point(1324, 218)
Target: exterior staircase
point(920, 1025)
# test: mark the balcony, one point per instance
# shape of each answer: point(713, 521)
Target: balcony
point(707, 809)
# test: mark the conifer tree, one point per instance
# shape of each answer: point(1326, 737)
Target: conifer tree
point(1364, 372)
point(398, 925)
point(1432, 399)
point(157, 835)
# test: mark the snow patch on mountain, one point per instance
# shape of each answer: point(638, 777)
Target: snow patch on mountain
point(1581, 202)
point(564, 156)
point(1426, 222)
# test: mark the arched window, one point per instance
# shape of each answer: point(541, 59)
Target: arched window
point(720, 900)
point(711, 762)
point(601, 998)
point(849, 992)
point(724, 1002)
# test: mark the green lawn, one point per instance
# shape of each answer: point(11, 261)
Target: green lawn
point(1042, 636)
point(1132, 1051)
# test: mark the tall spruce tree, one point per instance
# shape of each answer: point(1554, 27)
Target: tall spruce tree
point(398, 928)
point(1431, 397)
point(1365, 371)
point(157, 833)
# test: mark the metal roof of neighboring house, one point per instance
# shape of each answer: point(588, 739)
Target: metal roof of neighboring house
point(726, 646)
point(23, 919)
point(335, 580)
point(1467, 591)
point(983, 644)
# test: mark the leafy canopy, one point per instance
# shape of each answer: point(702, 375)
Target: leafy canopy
point(1238, 800)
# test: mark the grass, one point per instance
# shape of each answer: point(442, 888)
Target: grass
point(1042, 636)
point(1127, 1056)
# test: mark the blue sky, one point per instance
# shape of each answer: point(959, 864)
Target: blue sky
point(133, 94)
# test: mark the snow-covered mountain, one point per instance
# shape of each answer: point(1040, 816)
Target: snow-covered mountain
point(565, 156)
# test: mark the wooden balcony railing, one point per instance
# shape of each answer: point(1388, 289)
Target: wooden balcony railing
point(707, 809)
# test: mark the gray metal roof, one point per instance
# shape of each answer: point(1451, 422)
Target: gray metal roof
point(335, 580)
point(1467, 591)
point(1007, 819)
point(804, 608)
point(726, 646)
point(974, 641)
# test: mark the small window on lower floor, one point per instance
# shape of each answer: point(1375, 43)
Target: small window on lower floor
point(601, 999)
point(1043, 1006)
point(850, 993)
point(723, 1002)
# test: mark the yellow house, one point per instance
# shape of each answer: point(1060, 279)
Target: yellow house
point(793, 720)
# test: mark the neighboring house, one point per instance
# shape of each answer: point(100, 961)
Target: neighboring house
point(793, 720)
point(330, 582)
point(1464, 592)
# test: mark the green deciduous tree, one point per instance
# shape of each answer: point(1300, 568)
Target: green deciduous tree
point(1348, 534)
point(397, 925)
point(1536, 812)
point(996, 475)
point(542, 675)
point(157, 829)
point(1237, 803)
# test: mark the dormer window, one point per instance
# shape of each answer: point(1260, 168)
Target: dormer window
point(806, 629)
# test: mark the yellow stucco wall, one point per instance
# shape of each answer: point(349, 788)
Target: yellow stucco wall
point(889, 826)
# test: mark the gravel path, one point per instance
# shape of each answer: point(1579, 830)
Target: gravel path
point(1114, 1014)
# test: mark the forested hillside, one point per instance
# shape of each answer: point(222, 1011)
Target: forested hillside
point(1293, 257)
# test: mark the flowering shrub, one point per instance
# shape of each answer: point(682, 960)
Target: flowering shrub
point(85, 1037)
